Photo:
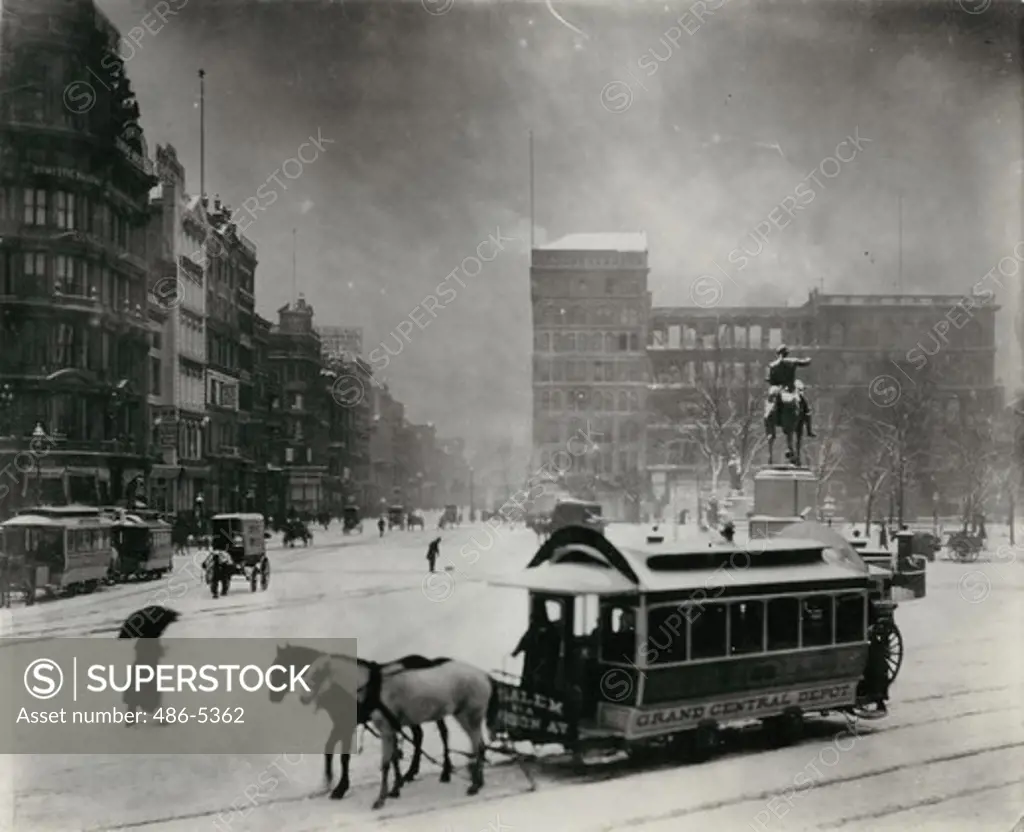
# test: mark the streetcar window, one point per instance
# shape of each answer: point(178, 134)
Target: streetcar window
point(618, 624)
point(746, 627)
point(783, 624)
point(666, 636)
point(816, 621)
point(707, 631)
point(849, 618)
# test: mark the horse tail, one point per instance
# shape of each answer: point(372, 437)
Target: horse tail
point(492, 708)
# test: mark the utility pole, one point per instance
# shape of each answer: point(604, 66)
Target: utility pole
point(202, 134)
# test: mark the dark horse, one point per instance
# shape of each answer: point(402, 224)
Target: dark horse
point(293, 654)
point(786, 415)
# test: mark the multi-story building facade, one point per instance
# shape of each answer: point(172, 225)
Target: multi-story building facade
point(341, 342)
point(264, 431)
point(74, 185)
point(178, 232)
point(295, 359)
point(590, 310)
point(230, 300)
point(386, 424)
point(348, 451)
point(851, 340)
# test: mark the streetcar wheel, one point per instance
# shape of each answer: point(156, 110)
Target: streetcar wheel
point(785, 729)
point(894, 653)
point(698, 745)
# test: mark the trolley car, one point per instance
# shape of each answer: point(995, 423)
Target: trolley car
point(666, 646)
point(142, 545)
point(57, 549)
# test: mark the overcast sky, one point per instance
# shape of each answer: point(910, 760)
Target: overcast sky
point(429, 115)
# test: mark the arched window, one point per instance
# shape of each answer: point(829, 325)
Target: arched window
point(634, 401)
point(595, 400)
point(609, 401)
point(609, 342)
point(570, 342)
point(623, 402)
point(556, 400)
point(596, 342)
point(634, 343)
point(577, 315)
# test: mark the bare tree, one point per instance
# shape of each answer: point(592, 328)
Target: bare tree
point(830, 450)
point(869, 460)
point(728, 422)
point(911, 423)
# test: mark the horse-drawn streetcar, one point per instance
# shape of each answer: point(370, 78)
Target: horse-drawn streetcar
point(661, 646)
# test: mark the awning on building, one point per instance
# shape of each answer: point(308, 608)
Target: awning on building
point(165, 472)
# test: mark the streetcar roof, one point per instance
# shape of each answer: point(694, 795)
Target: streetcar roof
point(578, 560)
point(43, 521)
point(238, 517)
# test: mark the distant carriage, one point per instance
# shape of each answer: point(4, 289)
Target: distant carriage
point(239, 547)
point(353, 522)
point(57, 549)
point(396, 517)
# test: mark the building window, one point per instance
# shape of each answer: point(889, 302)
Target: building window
point(35, 206)
point(65, 203)
point(35, 264)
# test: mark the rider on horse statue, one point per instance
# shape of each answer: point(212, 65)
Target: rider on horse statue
point(781, 376)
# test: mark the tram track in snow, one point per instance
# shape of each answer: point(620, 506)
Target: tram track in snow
point(550, 775)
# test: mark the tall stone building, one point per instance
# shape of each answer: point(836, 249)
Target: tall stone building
point(294, 355)
point(74, 184)
point(178, 228)
point(230, 307)
point(590, 310)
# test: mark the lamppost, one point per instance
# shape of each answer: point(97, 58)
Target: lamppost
point(199, 502)
point(472, 510)
point(38, 434)
point(6, 403)
point(829, 509)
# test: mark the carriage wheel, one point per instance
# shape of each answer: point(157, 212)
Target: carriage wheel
point(265, 574)
point(972, 554)
point(252, 579)
point(893, 652)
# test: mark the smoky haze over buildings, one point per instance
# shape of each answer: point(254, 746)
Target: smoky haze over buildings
point(430, 116)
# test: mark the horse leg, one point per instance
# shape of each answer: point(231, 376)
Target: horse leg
point(332, 740)
point(446, 768)
point(388, 749)
point(396, 763)
point(417, 753)
point(472, 724)
point(342, 787)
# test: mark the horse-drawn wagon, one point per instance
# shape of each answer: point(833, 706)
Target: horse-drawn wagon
point(239, 548)
point(657, 646)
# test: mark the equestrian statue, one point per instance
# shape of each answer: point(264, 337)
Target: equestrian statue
point(786, 406)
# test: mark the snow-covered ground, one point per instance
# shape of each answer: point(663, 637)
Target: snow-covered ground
point(950, 755)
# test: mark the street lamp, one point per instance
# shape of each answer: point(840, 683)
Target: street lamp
point(472, 510)
point(6, 402)
point(38, 434)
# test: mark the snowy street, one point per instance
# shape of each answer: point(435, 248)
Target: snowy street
point(950, 755)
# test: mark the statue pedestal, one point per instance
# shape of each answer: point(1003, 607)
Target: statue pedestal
point(781, 496)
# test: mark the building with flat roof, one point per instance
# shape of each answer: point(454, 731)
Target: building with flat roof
point(590, 308)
